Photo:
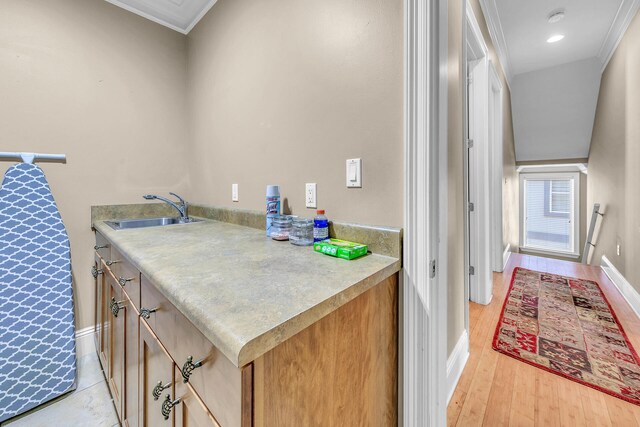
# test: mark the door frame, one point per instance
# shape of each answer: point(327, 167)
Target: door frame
point(477, 166)
point(423, 393)
point(496, 172)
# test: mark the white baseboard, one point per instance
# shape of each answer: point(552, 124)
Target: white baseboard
point(456, 363)
point(628, 292)
point(84, 342)
point(505, 256)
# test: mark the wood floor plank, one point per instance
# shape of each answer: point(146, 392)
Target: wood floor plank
point(501, 392)
point(547, 410)
point(455, 406)
point(496, 390)
point(620, 412)
point(523, 403)
point(594, 407)
point(571, 410)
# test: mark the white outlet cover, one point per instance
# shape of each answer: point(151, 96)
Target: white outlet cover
point(234, 192)
point(310, 195)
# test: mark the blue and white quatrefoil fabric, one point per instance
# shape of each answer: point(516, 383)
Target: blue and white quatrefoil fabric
point(37, 333)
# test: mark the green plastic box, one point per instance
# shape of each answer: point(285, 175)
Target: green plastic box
point(340, 248)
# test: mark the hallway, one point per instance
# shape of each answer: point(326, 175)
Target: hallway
point(497, 390)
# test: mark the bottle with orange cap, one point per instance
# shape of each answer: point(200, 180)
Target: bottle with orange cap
point(320, 226)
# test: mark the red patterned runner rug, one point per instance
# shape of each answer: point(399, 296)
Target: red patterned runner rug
point(566, 326)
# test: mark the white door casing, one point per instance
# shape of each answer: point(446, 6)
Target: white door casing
point(478, 163)
point(423, 294)
point(496, 168)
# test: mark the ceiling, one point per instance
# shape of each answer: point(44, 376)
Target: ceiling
point(592, 28)
point(554, 86)
point(179, 15)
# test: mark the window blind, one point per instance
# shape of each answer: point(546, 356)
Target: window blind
point(549, 214)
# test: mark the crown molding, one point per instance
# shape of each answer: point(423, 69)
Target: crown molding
point(492, 17)
point(626, 12)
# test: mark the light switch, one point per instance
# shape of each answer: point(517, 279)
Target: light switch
point(310, 195)
point(354, 173)
point(234, 192)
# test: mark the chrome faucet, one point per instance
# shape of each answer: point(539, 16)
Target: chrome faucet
point(182, 208)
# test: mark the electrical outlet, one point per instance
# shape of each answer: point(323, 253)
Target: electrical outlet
point(310, 195)
point(234, 192)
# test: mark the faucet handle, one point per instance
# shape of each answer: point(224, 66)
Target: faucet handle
point(179, 198)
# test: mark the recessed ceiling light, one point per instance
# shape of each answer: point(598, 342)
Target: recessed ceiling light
point(556, 15)
point(555, 38)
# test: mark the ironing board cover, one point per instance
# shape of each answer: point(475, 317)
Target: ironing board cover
point(37, 334)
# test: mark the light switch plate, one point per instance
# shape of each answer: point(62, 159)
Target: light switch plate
point(354, 173)
point(310, 195)
point(234, 192)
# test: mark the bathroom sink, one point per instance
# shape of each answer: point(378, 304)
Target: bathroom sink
point(124, 224)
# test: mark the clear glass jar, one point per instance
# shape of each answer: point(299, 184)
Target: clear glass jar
point(301, 232)
point(281, 227)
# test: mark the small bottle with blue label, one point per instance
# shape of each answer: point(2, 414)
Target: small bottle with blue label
point(320, 227)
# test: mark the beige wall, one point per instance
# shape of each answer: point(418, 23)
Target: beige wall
point(283, 92)
point(259, 93)
point(107, 88)
point(614, 174)
point(456, 303)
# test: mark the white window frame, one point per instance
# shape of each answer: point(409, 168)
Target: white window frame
point(575, 217)
point(551, 192)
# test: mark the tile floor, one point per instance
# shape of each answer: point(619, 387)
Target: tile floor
point(89, 405)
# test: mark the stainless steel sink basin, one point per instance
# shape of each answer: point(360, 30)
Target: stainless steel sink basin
point(125, 224)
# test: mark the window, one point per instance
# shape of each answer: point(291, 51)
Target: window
point(549, 212)
point(560, 196)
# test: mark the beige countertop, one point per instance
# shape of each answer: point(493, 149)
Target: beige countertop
point(246, 293)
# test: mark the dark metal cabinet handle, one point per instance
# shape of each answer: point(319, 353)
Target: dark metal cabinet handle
point(145, 313)
point(122, 281)
point(167, 405)
point(158, 389)
point(110, 263)
point(95, 272)
point(115, 307)
point(96, 247)
point(188, 368)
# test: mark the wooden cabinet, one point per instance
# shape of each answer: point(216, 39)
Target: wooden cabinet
point(116, 342)
point(131, 363)
point(96, 271)
point(217, 381)
point(342, 370)
point(190, 411)
point(155, 379)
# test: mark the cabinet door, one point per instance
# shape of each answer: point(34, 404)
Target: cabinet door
point(96, 271)
point(189, 409)
point(104, 289)
point(156, 380)
point(132, 334)
point(116, 340)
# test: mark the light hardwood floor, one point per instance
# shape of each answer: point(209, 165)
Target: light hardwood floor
point(497, 390)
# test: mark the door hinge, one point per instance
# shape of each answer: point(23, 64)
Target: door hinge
point(469, 143)
point(472, 207)
point(472, 270)
point(432, 269)
point(469, 80)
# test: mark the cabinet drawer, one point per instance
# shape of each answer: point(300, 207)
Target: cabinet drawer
point(126, 275)
point(217, 381)
point(102, 247)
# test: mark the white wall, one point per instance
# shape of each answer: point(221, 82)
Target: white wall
point(554, 109)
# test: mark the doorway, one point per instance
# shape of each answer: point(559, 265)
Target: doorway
point(483, 167)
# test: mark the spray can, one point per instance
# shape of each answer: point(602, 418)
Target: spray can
point(273, 205)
